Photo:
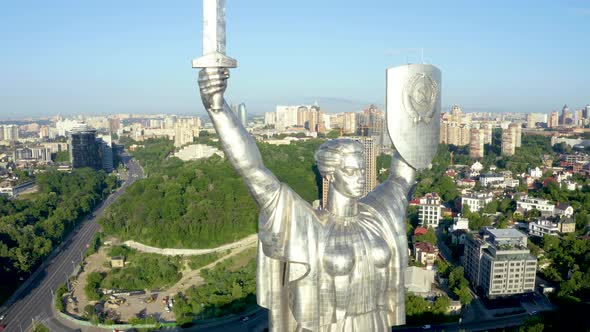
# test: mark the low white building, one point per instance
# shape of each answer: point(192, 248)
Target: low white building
point(197, 151)
point(491, 179)
point(529, 203)
point(476, 200)
point(543, 227)
point(460, 223)
point(535, 173)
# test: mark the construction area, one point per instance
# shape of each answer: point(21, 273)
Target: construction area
point(123, 306)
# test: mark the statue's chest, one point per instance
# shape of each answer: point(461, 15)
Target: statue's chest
point(349, 249)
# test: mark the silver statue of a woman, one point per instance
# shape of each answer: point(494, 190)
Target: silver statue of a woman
point(338, 269)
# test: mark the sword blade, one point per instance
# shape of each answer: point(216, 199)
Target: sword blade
point(213, 26)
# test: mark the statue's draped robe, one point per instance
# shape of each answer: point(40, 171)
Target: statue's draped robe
point(299, 286)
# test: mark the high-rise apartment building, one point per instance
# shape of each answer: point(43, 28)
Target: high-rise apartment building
point(349, 125)
point(270, 118)
point(476, 144)
point(499, 262)
point(456, 114)
point(10, 132)
point(517, 136)
point(487, 131)
point(370, 153)
point(286, 116)
point(44, 132)
point(185, 130)
point(511, 139)
point(586, 112)
point(530, 120)
point(553, 120)
point(579, 122)
point(84, 149)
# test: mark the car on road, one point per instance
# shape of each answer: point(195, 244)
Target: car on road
point(426, 327)
point(532, 313)
point(1, 318)
point(245, 319)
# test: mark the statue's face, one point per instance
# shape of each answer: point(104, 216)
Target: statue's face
point(349, 179)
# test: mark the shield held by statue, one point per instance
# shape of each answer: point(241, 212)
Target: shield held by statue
point(413, 104)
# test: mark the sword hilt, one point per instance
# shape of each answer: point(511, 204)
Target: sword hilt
point(215, 60)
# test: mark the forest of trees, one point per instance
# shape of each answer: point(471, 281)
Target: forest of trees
point(202, 203)
point(31, 227)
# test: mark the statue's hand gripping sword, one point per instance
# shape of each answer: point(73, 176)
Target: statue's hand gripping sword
point(214, 41)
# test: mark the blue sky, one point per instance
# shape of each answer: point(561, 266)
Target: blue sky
point(67, 57)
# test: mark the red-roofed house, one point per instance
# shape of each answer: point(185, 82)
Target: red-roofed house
point(420, 231)
point(425, 253)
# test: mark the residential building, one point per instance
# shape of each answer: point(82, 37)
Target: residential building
point(430, 210)
point(553, 120)
point(525, 204)
point(543, 227)
point(10, 133)
point(41, 154)
point(563, 209)
point(476, 144)
point(499, 262)
point(370, 153)
point(491, 179)
point(185, 131)
point(535, 173)
point(460, 223)
point(270, 118)
point(511, 139)
point(425, 253)
point(476, 200)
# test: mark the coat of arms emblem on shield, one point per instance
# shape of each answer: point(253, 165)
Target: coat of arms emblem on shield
point(419, 97)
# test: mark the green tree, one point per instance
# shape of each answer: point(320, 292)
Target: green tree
point(93, 280)
point(429, 237)
point(441, 305)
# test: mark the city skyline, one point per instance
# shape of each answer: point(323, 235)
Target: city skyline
point(124, 58)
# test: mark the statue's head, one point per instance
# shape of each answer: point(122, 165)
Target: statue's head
point(341, 161)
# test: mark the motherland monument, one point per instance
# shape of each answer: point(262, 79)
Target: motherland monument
point(340, 268)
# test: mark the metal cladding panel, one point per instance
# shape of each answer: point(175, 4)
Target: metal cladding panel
point(413, 104)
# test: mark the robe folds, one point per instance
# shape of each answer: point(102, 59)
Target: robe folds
point(315, 273)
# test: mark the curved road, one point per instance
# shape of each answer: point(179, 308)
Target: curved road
point(34, 301)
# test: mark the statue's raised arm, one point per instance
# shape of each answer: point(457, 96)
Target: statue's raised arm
point(238, 145)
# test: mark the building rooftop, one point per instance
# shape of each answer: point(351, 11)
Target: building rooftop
point(426, 247)
point(510, 232)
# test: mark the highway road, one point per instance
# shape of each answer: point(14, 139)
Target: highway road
point(258, 321)
point(33, 302)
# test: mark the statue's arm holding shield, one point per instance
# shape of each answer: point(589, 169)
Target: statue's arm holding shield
point(413, 112)
point(238, 145)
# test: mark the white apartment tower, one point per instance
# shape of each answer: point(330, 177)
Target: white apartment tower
point(499, 262)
